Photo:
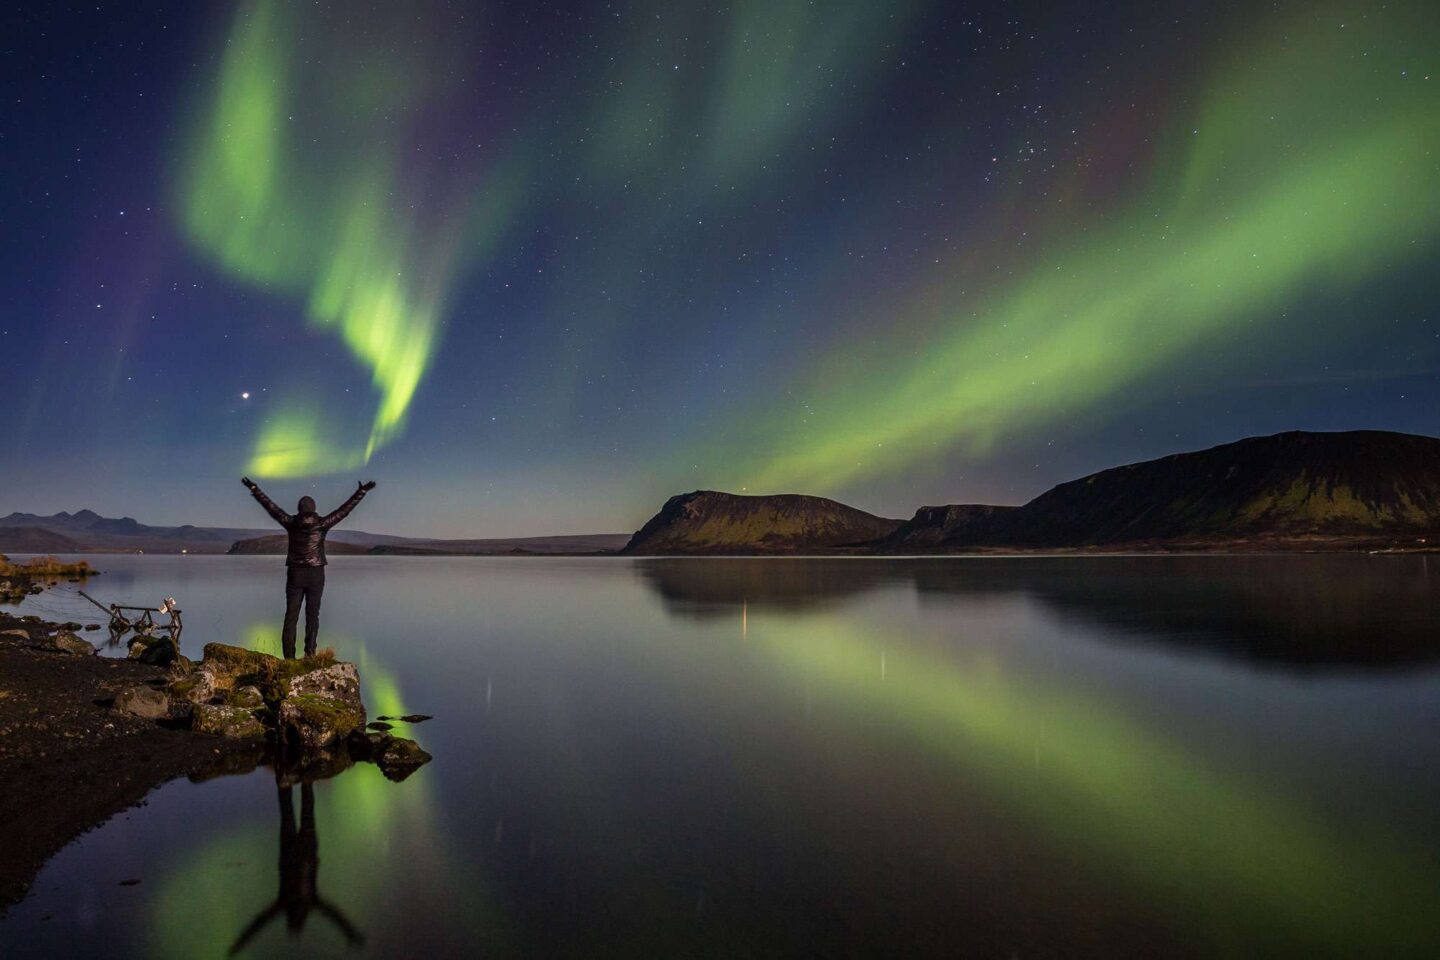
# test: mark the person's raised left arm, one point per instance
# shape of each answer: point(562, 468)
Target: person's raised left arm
point(343, 511)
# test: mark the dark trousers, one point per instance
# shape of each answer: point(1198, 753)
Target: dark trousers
point(307, 584)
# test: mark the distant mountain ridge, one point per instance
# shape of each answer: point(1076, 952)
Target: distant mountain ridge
point(585, 543)
point(1298, 490)
point(708, 521)
point(88, 532)
point(95, 533)
point(1293, 486)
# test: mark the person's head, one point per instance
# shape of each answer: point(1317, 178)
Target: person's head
point(307, 504)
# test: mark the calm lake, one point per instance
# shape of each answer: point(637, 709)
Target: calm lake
point(785, 757)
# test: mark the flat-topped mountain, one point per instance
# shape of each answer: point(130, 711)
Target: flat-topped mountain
point(707, 521)
point(1291, 487)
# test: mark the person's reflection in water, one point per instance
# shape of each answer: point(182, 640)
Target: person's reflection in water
point(299, 869)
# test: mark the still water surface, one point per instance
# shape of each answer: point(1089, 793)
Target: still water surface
point(960, 757)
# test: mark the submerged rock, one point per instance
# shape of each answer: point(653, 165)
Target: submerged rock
point(396, 757)
point(143, 701)
point(226, 721)
point(67, 642)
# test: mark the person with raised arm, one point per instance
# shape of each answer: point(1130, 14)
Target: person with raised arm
point(305, 560)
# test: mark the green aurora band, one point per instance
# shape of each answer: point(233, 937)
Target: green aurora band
point(290, 182)
point(1307, 164)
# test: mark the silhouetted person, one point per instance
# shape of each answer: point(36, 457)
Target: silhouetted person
point(305, 560)
point(299, 870)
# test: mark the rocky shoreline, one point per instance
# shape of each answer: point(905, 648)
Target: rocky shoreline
point(18, 580)
point(84, 737)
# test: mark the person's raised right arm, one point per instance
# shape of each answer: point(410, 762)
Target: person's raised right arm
point(280, 516)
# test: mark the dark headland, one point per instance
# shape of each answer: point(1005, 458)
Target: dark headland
point(1297, 491)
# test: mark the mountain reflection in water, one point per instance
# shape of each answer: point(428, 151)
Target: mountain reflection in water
point(1300, 612)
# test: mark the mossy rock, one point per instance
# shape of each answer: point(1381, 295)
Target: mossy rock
point(271, 675)
point(247, 696)
point(225, 660)
point(313, 722)
point(224, 721)
point(197, 688)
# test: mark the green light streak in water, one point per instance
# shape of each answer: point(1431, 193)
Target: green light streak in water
point(291, 183)
point(1309, 167)
point(374, 835)
point(1200, 833)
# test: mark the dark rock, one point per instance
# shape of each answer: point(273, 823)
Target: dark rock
point(92, 626)
point(143, 701)
point(363, 744)
point(399, 757)
point(379, 725)
point(67, 642)
point(410, 718)
point(160, 653)
point(396, 757)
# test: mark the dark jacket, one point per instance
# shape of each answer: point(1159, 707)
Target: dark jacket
point(306, 529)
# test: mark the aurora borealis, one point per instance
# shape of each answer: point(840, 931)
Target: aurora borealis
point(536, 270)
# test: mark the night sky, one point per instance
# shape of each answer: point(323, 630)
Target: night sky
point(536, 267)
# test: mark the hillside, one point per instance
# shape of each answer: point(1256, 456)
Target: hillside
point(35, 540)
point(933, 527)
point(1288, 489)
point(709, 522)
